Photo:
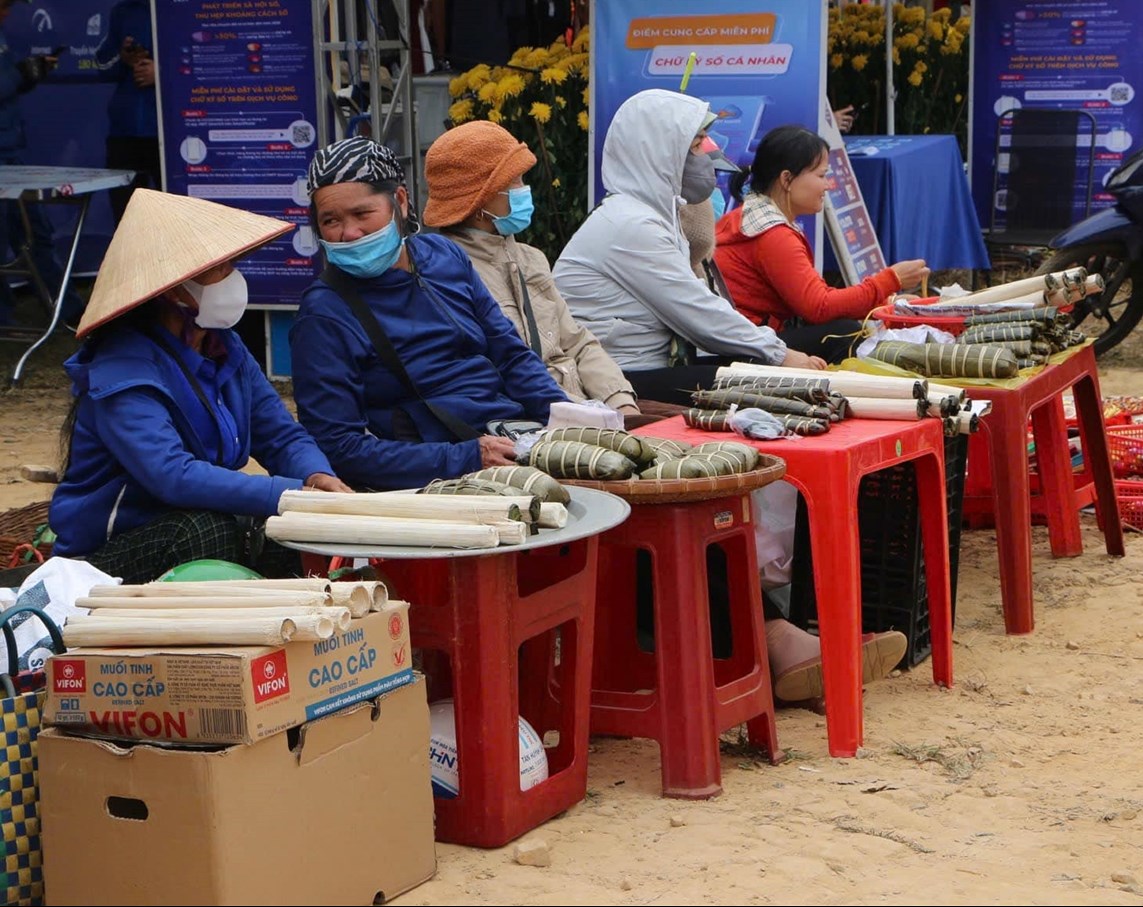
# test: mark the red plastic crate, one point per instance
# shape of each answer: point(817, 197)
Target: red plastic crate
point(1125, 445)
point(1130, 496)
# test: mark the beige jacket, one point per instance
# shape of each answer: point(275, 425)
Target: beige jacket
point(573, 356)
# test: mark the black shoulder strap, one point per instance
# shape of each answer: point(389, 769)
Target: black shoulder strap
point(526, 304)
point(162, 343)
point(342, 284)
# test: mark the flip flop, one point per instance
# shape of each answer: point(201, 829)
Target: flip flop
point(880, 654)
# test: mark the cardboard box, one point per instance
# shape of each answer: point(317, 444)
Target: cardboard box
point(339, 812)
point(237, 694)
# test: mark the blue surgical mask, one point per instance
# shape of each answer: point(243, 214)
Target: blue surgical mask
point(718, 202)
point(519, 214)
point(369, 256)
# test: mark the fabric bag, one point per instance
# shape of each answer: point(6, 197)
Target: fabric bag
point(20, 710)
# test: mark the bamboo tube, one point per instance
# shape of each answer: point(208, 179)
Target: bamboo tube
point(1008, 291)
point(876, 408)
point(510, 532)
point(553, 516)
point(357, 597)
point(846, 383)
point(379, 592)
point(340, 616)
point(268, 631)
point(453, 508)
point(946, 390)
point(365, 530)
point(943, 406)
point(967, 422)
point(523, 501)
point(297, 599)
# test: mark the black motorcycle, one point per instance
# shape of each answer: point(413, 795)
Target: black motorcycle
point(1110, 243)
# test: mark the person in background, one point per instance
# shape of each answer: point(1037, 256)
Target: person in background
point(126, 54)
point(477, 198)
point(626, 273)
point(170, 406)
point(18, 77)
point(401, 357)
point(767, 263)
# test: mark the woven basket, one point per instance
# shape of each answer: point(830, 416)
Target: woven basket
point(1125, 445)
point(674, 491)
point(1130, 495)
point(18, 527)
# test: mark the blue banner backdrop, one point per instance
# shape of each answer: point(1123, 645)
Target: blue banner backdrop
point(238, 109)
point(65, 116)
point(759, 65)
point(1074, 54)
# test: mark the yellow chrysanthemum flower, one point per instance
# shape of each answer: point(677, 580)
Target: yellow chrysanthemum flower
point(510, 86)
point(963, 24)
point(942, 15)
point(936, 30)
point(537, 59)
point(858, 62)
point(582, 119)
point(915, 78)
point(540, 112)
point(835, 61)
point(520, 56)
point(573, 63)
point(458, 85)
point(490, 93)
point(460, 111)
point(920, 66)
point(908, 41)
point(959, 97)
point(495, 116)
point(477, 76)
point(587, 94)
point(561, 101)
point(896, 57)
point(582, 42)
point(552, 76)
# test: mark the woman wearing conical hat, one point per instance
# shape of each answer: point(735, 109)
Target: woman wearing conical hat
point(170, 406)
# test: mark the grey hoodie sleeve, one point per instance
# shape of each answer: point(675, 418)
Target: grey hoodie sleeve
point(643, 259)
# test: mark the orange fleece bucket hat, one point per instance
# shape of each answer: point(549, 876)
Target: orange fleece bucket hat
point(467, 166)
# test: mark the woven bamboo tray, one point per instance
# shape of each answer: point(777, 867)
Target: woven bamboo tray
point(18, 527)
point(674, 491)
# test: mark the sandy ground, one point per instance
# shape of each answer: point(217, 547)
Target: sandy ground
point(1020, 785)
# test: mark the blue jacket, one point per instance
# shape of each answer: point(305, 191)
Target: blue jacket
point(135, 453)
point(458, 348)
point(132, 110)
point(12, 85)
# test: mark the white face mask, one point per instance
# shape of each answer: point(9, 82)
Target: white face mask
point(221, 304)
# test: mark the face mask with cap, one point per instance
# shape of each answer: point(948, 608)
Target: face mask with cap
point(368, 256)
point(699, 178)
point(519, 214)
point(220, 304)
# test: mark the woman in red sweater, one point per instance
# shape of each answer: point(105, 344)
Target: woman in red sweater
point(767, 264)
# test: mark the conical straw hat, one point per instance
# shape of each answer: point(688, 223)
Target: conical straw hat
point(163, 240)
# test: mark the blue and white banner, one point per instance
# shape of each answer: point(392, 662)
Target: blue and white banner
point(1064, 54)
point(758, 64)
point(238, 122)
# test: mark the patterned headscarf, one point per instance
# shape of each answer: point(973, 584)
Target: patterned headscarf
point(353, 160)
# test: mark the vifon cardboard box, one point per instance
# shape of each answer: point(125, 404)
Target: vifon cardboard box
point(339, 811)
point(234, 694)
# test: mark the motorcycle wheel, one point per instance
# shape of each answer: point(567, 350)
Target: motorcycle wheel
point(1113, 314)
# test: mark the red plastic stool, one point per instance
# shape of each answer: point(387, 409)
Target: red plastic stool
point(827, 469)
point(506, 635)
point(682, 694)
point(1004, 438)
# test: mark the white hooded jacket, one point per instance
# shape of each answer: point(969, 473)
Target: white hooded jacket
point(626, 273)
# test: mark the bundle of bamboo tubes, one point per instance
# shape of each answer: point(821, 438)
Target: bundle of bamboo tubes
point(470, 521)
point(240, 612)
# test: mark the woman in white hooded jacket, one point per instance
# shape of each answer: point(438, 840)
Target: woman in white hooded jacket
point(626, 273)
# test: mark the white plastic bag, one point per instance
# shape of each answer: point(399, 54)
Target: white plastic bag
point(53, 588)
point(775, 513)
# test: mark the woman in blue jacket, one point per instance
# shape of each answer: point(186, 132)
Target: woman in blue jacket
point(170, 405)
point(450, 362)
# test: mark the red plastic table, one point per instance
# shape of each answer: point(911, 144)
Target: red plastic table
point(827, 469)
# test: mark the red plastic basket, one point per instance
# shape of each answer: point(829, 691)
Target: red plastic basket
point(1125, 445)
point(1130, 496)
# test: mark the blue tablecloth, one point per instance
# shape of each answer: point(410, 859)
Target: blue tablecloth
point(918, 199)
